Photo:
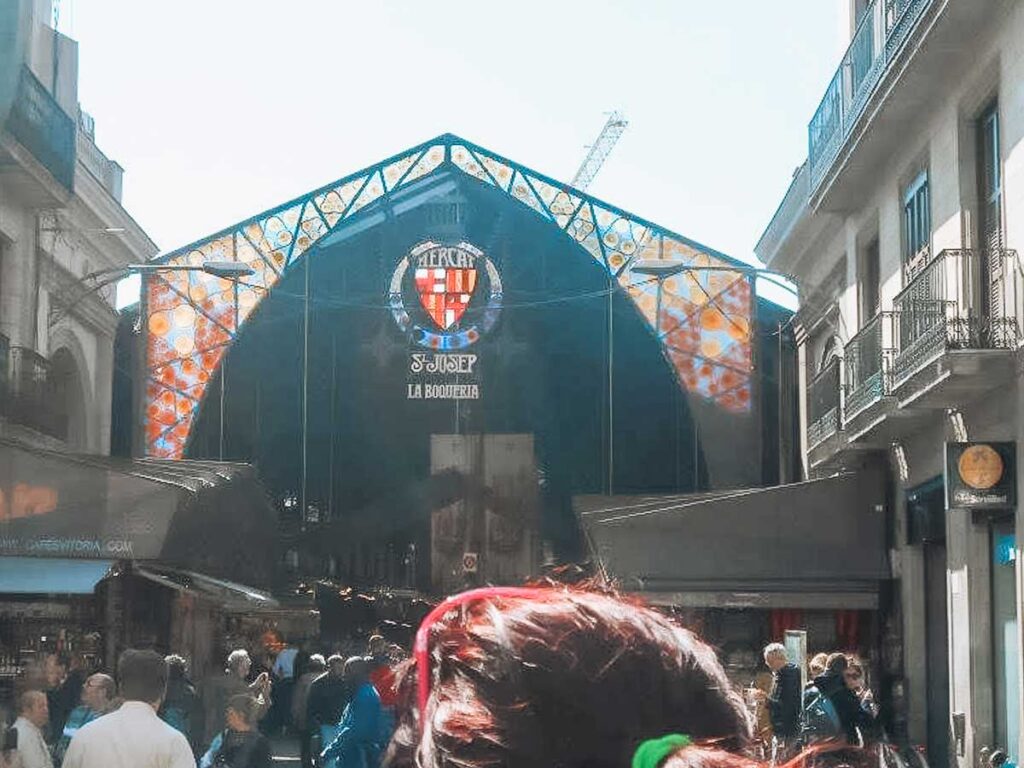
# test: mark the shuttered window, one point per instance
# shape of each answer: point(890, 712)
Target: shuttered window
point(917, 220)
point(990, 180)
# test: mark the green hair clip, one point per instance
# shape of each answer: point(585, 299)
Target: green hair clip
point(652, 752)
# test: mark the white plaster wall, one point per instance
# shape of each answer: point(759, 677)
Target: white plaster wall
point(943, 142)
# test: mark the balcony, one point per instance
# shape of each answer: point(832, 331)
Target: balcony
point(42, 127)
point(956, 325)
point(107, 172)
point(824, 406)
point(878, 39)
point(868, 362)
point(28, 396)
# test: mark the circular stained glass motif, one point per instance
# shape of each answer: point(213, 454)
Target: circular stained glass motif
point(445, 296)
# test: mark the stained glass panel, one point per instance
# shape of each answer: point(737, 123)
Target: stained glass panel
point(371, 192)
point(427, 164)
point(464, 160)
point(335, 202)
point(394, 172)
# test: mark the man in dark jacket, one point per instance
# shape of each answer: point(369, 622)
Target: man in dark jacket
point(328, 696)
point(853, 719)
point(784, 701)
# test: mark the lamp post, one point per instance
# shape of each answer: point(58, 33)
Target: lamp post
point(94, 282)
point(228, 270)
point(663, 268)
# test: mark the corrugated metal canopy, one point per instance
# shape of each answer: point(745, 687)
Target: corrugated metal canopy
point(816, 544)
point(210, 517)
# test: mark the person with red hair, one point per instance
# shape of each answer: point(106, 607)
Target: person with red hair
point(556, 676)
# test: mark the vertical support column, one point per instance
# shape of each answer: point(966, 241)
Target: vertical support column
point(305, 390)
point(1019, 565)
point(98, 418)
point(915, 654)
point(611, 384)
point(970, 641)
point(141, 371)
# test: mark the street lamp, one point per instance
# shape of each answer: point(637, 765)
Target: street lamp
point(662, 268)
point(229, 270)
point(226, 270)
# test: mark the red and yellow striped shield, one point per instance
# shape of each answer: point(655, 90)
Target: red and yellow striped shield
point(445, 293)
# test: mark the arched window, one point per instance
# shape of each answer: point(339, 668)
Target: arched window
point(67, 399)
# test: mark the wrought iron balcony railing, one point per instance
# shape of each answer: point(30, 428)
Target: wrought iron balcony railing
point(824, 404)
point(882, 30)
point(107, 172)
point(961, 299)
point(31, 399)
point(867, 359)
point(43, 128)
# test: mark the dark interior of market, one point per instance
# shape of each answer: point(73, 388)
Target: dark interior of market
point(543, 367)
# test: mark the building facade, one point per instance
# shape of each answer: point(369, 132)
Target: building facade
point(61, 223)
point(903, 229)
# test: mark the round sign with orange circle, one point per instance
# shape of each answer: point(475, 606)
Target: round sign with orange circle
point(980, 467)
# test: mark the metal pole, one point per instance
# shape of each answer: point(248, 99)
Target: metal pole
point(305, 389)
point(223, 376)
point(141, 372)
point(696, 453)
point(334, 379)
point(611, 387)
point(256, 455)
point(778, 386)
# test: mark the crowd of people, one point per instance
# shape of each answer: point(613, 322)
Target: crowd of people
point(834, 704)
point(341, 709)
point(538, 676)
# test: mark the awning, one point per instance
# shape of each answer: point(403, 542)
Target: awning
point(208, 517)
point(816, 544)
point(51, 576)
point(227, 594)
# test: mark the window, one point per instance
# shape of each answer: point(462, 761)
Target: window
point(917, 221)
point(990, 188)
point(870, 277)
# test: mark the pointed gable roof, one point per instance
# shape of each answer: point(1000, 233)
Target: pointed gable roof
point(702, 318)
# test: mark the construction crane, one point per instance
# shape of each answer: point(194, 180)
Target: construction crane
point(600, 150)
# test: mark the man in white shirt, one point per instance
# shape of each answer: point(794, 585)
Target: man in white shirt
point(33, 715)
point(133, 736)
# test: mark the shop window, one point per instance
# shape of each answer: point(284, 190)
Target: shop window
point(926, 512)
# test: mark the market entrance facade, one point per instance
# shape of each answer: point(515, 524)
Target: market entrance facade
point(432, 356)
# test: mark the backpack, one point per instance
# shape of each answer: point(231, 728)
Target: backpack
point(820, 719)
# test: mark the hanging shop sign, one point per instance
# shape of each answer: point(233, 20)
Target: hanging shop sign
point(981, 475)
point(444, 298)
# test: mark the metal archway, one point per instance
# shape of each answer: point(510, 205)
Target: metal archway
point(702, 318)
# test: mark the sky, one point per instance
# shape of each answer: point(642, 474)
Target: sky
point(220, 109)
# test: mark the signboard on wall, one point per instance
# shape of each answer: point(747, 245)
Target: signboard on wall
point(445, 298)
point(981, 475)
point(52, 506)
